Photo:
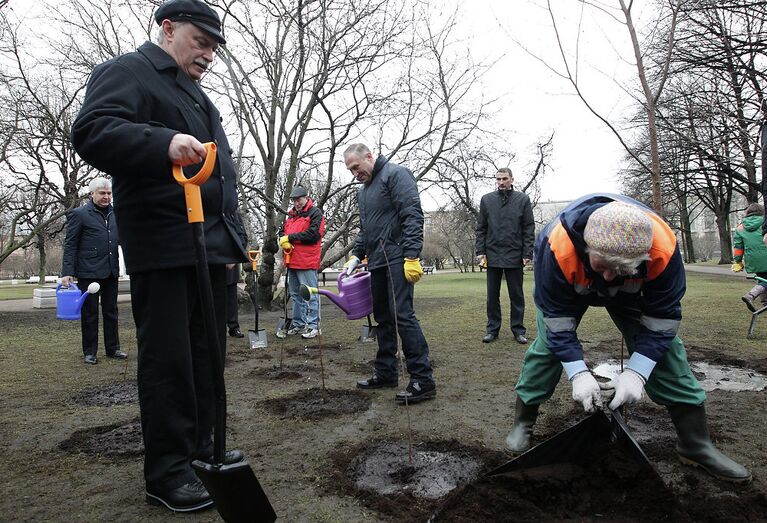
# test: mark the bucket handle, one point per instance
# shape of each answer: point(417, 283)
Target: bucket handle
point(72, 286)
point(192, 185)
point(342, 275)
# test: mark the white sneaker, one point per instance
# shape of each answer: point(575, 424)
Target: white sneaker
point(296, 330)
point(311, 333)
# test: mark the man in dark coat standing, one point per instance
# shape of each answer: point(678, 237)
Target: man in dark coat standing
point(143, 112)
point(504, 245)
point(90, 255)
point(391, 236)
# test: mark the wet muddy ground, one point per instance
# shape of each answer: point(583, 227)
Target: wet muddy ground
point(71, 440)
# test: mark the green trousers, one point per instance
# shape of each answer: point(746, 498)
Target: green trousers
point(671, 381)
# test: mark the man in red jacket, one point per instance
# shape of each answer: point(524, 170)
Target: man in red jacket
point(301, 240)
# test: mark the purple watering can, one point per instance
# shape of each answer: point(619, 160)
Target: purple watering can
point(354, 295)
point(69, 300)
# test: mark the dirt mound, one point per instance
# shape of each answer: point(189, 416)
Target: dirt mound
point(312, 404)
point(120, 440)
point(284, 372)
point(120, 393)
point(606, 486)
point(381, 476)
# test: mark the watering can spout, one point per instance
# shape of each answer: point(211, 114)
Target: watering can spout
point(307, 292)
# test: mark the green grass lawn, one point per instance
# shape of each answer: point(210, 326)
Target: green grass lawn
point(14, 292)
point(713, 314)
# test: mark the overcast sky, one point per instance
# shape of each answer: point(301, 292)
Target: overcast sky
point(586, 154)
point(534, 101)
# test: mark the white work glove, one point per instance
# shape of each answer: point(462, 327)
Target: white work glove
point(351, 264)
point(586, 391)
point(629, 388)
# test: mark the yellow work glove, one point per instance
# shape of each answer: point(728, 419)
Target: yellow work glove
point(413, 270)
point(737, 267)
point(285, 244)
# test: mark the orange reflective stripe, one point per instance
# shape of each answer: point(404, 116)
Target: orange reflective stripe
point(567, 259)
point(663, 246)
point(738, 252)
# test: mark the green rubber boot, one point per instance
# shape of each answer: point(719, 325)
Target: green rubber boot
point(518, 440)
point(695, 448)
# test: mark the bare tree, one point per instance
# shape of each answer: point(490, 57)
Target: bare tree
point(42, 169)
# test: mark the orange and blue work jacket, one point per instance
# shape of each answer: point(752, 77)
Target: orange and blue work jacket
point(566, 285)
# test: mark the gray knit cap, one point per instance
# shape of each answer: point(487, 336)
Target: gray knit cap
point(619, 229)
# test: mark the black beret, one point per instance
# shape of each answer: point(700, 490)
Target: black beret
point(298, 192)
point(194, 11)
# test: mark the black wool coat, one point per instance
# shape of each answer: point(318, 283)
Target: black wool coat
point(90, 244)
point(505, 229)
point(134, 105)
point(390, 216)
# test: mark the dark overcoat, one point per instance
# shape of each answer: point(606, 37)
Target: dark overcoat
point(391, 218)
point(134, 105)
point(505, 229)
point(90, 245)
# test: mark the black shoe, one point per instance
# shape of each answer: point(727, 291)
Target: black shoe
point(90, 359)
point(230, 457)
point(489, 337)
point(416, 392)
point(377, 383)
point(118, 355)
point(521, 339)
point(186, 498)
point(236, 333)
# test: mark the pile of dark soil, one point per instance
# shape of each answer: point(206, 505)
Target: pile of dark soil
point(381, 476)
point(121, 393)
point(119, 440)
point(312, 404)
point(284, 372)
point(606, 485)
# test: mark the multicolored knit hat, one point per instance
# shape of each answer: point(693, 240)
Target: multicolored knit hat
point(619, 229)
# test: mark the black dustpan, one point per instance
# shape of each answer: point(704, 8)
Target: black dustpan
point(234, 488)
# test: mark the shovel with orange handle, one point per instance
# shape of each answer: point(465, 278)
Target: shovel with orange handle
point(234, 487)
point(256, 337)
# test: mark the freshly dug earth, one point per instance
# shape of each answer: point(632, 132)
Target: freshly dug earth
point(71, 448)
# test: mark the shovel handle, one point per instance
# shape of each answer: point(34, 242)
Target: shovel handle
point(192, 185)
point(253, 256)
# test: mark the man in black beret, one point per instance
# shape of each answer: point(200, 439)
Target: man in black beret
point(143, 112)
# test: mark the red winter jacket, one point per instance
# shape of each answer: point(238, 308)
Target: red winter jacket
point(305, 229)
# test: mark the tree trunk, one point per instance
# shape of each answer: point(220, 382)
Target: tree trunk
point(686, 230)
point(42, 256)
point(725, 240)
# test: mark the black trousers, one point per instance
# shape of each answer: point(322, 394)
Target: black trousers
point(516, 297)
point(390, 296)
point(232, 317)
point(175, 383)
point(89, 315)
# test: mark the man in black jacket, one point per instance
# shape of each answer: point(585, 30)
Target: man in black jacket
point(504, 245)
point(143, 112)
point(391, 236)
point(90, 255)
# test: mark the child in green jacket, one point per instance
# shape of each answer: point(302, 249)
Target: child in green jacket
point(749, 245)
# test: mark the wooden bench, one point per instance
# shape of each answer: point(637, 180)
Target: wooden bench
point(428, 269)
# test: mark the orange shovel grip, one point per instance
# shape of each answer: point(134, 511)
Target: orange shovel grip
point(192, 185)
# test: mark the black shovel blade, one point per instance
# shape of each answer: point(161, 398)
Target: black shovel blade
point(564, 447)
point(367, 334)
point(238, 494)
point(257, 339)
